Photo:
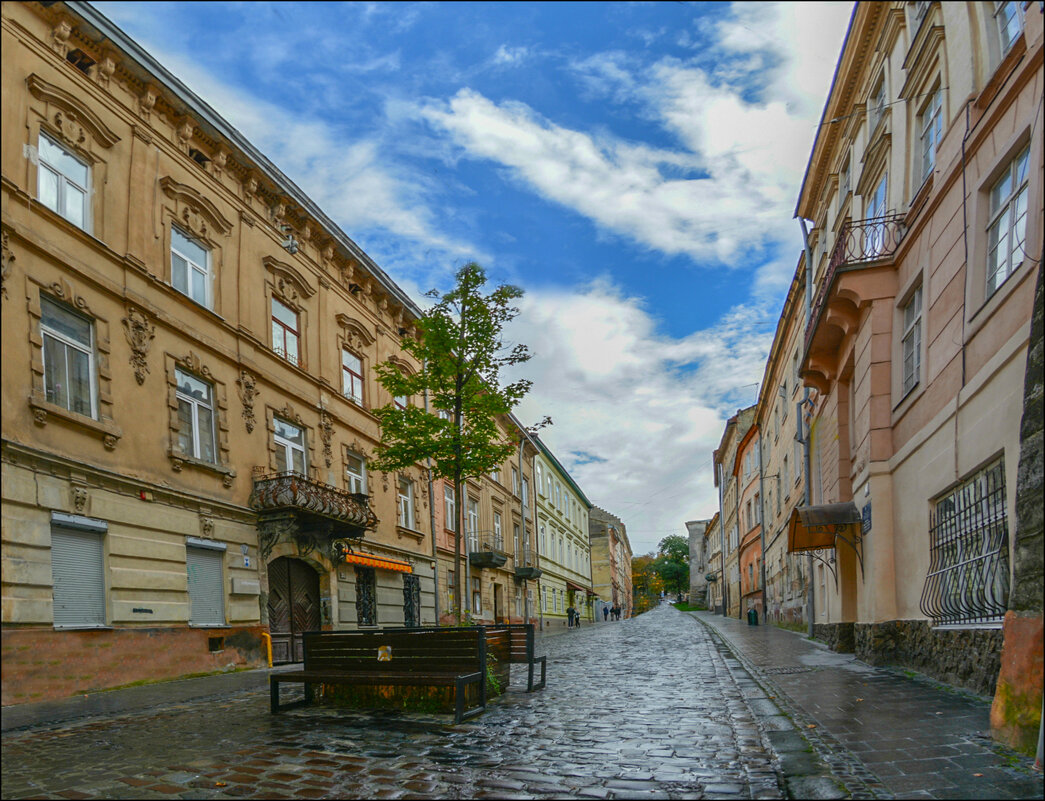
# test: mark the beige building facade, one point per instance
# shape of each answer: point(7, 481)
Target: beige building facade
point(188, 389)
point(924, 187)
point(611, 579)
point(729, 490)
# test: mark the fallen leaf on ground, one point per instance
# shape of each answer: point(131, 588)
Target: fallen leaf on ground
point(811, 726)
point(859, 699)
point(977, 774)
point(219, 784)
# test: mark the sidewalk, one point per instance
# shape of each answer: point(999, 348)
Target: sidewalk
point(919, 738)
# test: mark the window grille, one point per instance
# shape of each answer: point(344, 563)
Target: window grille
point(968, 580)
point(366, 596)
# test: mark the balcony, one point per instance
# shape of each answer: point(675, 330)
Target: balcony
point(313, 514)
point(526, 565)
point(861, 244)
point(486, 552)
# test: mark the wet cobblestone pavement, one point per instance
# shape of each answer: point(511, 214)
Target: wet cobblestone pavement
point(644, 708)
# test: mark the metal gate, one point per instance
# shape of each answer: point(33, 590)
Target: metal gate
point(293, 607)
point(411, 601)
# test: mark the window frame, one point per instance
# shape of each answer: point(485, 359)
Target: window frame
point(289, 447)
point(359, 478)
point(930, 130)
point(285, 328)
point(207, 270)
point(67, 342)
point(195, 404)
point(61, 179)
point(449, 508)
point(405, 504)
point(1000, 26)
point(349, 378)
point(994, 218)
point(911, 340)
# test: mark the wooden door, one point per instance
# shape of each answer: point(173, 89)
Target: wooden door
point(293, 607)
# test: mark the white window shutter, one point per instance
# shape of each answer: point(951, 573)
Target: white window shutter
point(206, 590)
point(78, 569)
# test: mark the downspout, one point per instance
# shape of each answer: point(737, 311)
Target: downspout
point(721, 541)
point(431, 516)
point(803, 436)
point(736, 512)
point(525, 535)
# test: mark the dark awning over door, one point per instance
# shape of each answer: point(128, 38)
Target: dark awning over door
point(813, 527)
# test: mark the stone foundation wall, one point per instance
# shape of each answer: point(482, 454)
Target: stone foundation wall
point(43, 664)
point(968, 658)
point(839, 636)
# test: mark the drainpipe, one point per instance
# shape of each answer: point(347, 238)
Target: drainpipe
point(525, 534)
point(721, 540)
point(431, 518)
point(803, 436)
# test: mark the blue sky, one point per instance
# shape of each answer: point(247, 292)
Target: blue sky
point(633, 166)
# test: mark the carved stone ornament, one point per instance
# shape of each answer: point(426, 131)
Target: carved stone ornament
point(184, 133)
point(207, 526)
point(271, 531)
point(147, 102)
point(106, 69)
point(226, 480)
point(109, 441)
point(177, 464)
point(40, 417)
point(140, 333)
point(248, 391)
point(250, 188)
point(194, 364)
point(6, 260)
point(287, 290)
point(288, 413)
point(326, 434)
point(60, 37)
point(69, 127)
point(221, 160)
point(279, 213)
point(63, 289)
point(79, 499)
point(194, 221)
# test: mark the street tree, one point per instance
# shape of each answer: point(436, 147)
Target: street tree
point(461, 351)
point(672, 563)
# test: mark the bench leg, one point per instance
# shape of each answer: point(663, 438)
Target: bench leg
point(543, 662)
point(274, 694)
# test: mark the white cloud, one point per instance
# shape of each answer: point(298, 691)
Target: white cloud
point(640, 444)
point(510, 55)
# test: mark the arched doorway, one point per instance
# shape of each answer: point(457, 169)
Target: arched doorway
point(293, 607)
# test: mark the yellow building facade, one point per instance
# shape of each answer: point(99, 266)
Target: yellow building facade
point(188, 385)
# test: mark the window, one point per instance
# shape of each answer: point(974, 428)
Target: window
point(912, 341)
point(290, 447)
point(544, 541)
point(931, 126)
point(68, 355)
point(62, 181)
point(876, 105)
point(351, 376)
point(757, 508)
point(844, 180)
point(515, 481)
point(451, 588)
point(400, 401)
point(495, 474)
point(515, 540)
point(285, 332)
point(498, 536)
point(794, 368)
point(1009, 19)
point(477, 597)
point(366, 596)
point(195, 417)
point(355, 468)
point(786, 473)
point(449, 508)
point(190, 267)
point(540, 479)
point(1008, 222)
point(473, 525)
point(525, 490)
point(875, 242)
point(78, 572)
point(968, 579)
point(206, 589)
point(406, 503)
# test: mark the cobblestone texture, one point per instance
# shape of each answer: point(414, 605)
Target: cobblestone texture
point(645, 708)
point(884, 733)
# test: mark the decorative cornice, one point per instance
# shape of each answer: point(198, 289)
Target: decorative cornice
point(189, 195)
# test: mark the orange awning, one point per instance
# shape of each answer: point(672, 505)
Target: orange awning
point(367, 560)
point(813, 527)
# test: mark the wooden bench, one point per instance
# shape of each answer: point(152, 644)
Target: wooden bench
point(430, 657)
point(520, 651)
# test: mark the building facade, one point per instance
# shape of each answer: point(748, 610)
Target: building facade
point(499, 561)
point(780, 404)
point(698, 563)
point(188, 389)
point(924, 186)
point(713, 564)
point(562, 538)
point(610, 563)
point(729, 489)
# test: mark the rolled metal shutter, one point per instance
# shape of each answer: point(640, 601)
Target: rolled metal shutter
point(206, 590)
point(78, 570)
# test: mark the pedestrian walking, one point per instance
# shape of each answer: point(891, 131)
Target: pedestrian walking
point(605, 613)
point(571, 613)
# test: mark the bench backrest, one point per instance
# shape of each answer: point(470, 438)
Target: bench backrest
point(519, 638)
point(407, 651)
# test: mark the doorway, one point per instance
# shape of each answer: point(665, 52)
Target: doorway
point(293, 607)
point(498, 604)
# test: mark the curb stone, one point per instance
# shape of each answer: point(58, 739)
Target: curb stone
point(807, 764)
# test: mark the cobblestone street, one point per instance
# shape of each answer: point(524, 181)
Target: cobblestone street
point(642, 708)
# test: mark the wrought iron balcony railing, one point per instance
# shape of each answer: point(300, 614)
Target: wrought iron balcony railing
point(527, 565)
point(486, 550)
point(292, 491)
point(860, 242)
